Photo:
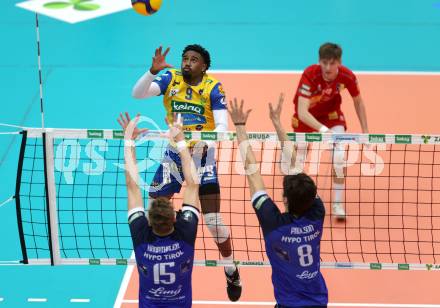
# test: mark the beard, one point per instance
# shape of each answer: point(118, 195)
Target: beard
point(186, 74)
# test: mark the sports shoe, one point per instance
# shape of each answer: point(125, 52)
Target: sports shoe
point(233, 286)
point(338, 211)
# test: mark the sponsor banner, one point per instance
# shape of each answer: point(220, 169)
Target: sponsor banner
point(210, 263)
point(432, 267)
point(430, 139)
point(313, 137)
point(374, 138)
point(345, 138)
point(259, 136)
point(403, 139)
point(343, 265)
point(403, 267)
point(95, 133)
point(291, 136)
point(94, 262)
point(376, 266)
point(118, 134)
point(252, 263)
point(188, 135)
point(209, 136)
point(121, 261)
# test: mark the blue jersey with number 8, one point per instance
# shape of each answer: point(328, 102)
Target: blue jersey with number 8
point(293, 249)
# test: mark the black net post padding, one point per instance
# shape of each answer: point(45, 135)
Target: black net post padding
point(17, 197)
point(46, 188)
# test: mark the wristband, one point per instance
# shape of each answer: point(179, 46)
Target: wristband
point(240, 123)
point(180, 145)
point(324, 129)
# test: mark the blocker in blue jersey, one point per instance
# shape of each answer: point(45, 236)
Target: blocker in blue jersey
point(163, 241)
point(292, 238)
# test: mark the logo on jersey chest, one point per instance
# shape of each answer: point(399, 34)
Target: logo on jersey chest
point(162, 292)
point(184, 107)
point(174, 92)
point(327, 91)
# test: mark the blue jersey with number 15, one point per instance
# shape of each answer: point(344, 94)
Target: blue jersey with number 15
point(165, 262)
point(293, 249)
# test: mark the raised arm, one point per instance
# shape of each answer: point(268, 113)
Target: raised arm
point(239, 119)
point(288, 154)
point(131, 132)
point(191, 193)
point(145, 87)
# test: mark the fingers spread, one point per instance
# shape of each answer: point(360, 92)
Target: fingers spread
point(247, 113)
point(166, 52)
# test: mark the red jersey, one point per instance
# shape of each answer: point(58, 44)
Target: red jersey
point(325, 98)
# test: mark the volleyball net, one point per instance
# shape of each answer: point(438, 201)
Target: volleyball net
point(71, 199)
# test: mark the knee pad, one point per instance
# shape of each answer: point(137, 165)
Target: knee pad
point(216, 227)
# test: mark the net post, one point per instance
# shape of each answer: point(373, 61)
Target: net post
point(51, 201)
point(17, 198)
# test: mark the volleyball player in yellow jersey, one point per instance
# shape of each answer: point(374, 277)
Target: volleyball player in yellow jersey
point(200, 99)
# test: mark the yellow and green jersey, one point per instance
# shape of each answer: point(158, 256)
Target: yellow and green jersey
point(195, 103)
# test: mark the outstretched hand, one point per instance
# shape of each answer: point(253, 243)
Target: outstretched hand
point(275, 113)
point(176, 128)
point(131, 131)
point(238, 116)
point(159, 61)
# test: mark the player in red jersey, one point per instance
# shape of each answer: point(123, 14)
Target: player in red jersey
point(318, 109)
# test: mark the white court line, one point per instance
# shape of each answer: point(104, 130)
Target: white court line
point(271, 304)
point(1, 299)
point(124, 284)
point(233, 303)
point(290, 72)
point(11, 125)
point(7, 201)
point(37, 300)
point(80, 300)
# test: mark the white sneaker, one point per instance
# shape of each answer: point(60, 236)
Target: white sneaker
point(338, 211)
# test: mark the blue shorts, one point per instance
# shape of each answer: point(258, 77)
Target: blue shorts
point(168, 178)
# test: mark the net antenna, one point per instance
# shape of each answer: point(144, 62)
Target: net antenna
point(39, 69)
